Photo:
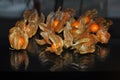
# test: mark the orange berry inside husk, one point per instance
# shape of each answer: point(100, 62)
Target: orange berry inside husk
point(55, 23)
point(94, 27)
point(75, 24)
point(53, 46)
point(21, 41)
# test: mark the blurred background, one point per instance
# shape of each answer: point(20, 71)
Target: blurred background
point(15, 8)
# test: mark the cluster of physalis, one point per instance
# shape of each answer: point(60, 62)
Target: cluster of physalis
point(61, 30)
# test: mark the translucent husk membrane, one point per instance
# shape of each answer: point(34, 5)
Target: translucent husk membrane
point(61, 30)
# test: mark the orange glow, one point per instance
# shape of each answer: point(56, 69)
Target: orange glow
point(55, 23)
point(21, 41)
point(94, 27)
point(87, 19)
point(53, 47)
point(75, 24)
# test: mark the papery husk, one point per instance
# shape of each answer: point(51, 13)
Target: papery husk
point(15, 34)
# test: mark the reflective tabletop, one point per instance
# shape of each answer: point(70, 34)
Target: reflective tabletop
point(34, 58)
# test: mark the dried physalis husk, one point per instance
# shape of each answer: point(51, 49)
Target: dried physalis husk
point(68, 38)
point(31, 29)
point(57, 26)
point(18, 59)
point(27, 13)
point(62, 17)
point(18, 39)
point(103, 36)
point(57, 20)
point(33, 17)
point(69, 13)
point(41, 18)
point(92, 13)
point(49, 18)
point(86, 44)
point(21, 24)
point(57, 44)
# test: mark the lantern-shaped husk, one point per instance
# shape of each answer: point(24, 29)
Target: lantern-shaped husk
point(18, 39)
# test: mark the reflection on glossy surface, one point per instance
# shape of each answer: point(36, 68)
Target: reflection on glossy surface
point(19, 59)
point(47, 57)
point(68, 61)
point(74, 61)
point(84, 62)
point(33, 48)
point(102, 52)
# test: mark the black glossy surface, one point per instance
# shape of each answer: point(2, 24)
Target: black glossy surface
point(72, 63)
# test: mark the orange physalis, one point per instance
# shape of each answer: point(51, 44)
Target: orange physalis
point(21, 41)
point(53, 46)
point(55, 23)
point(75, 24)
point(94, 27)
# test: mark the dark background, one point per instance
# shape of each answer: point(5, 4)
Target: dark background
point(110, 12)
